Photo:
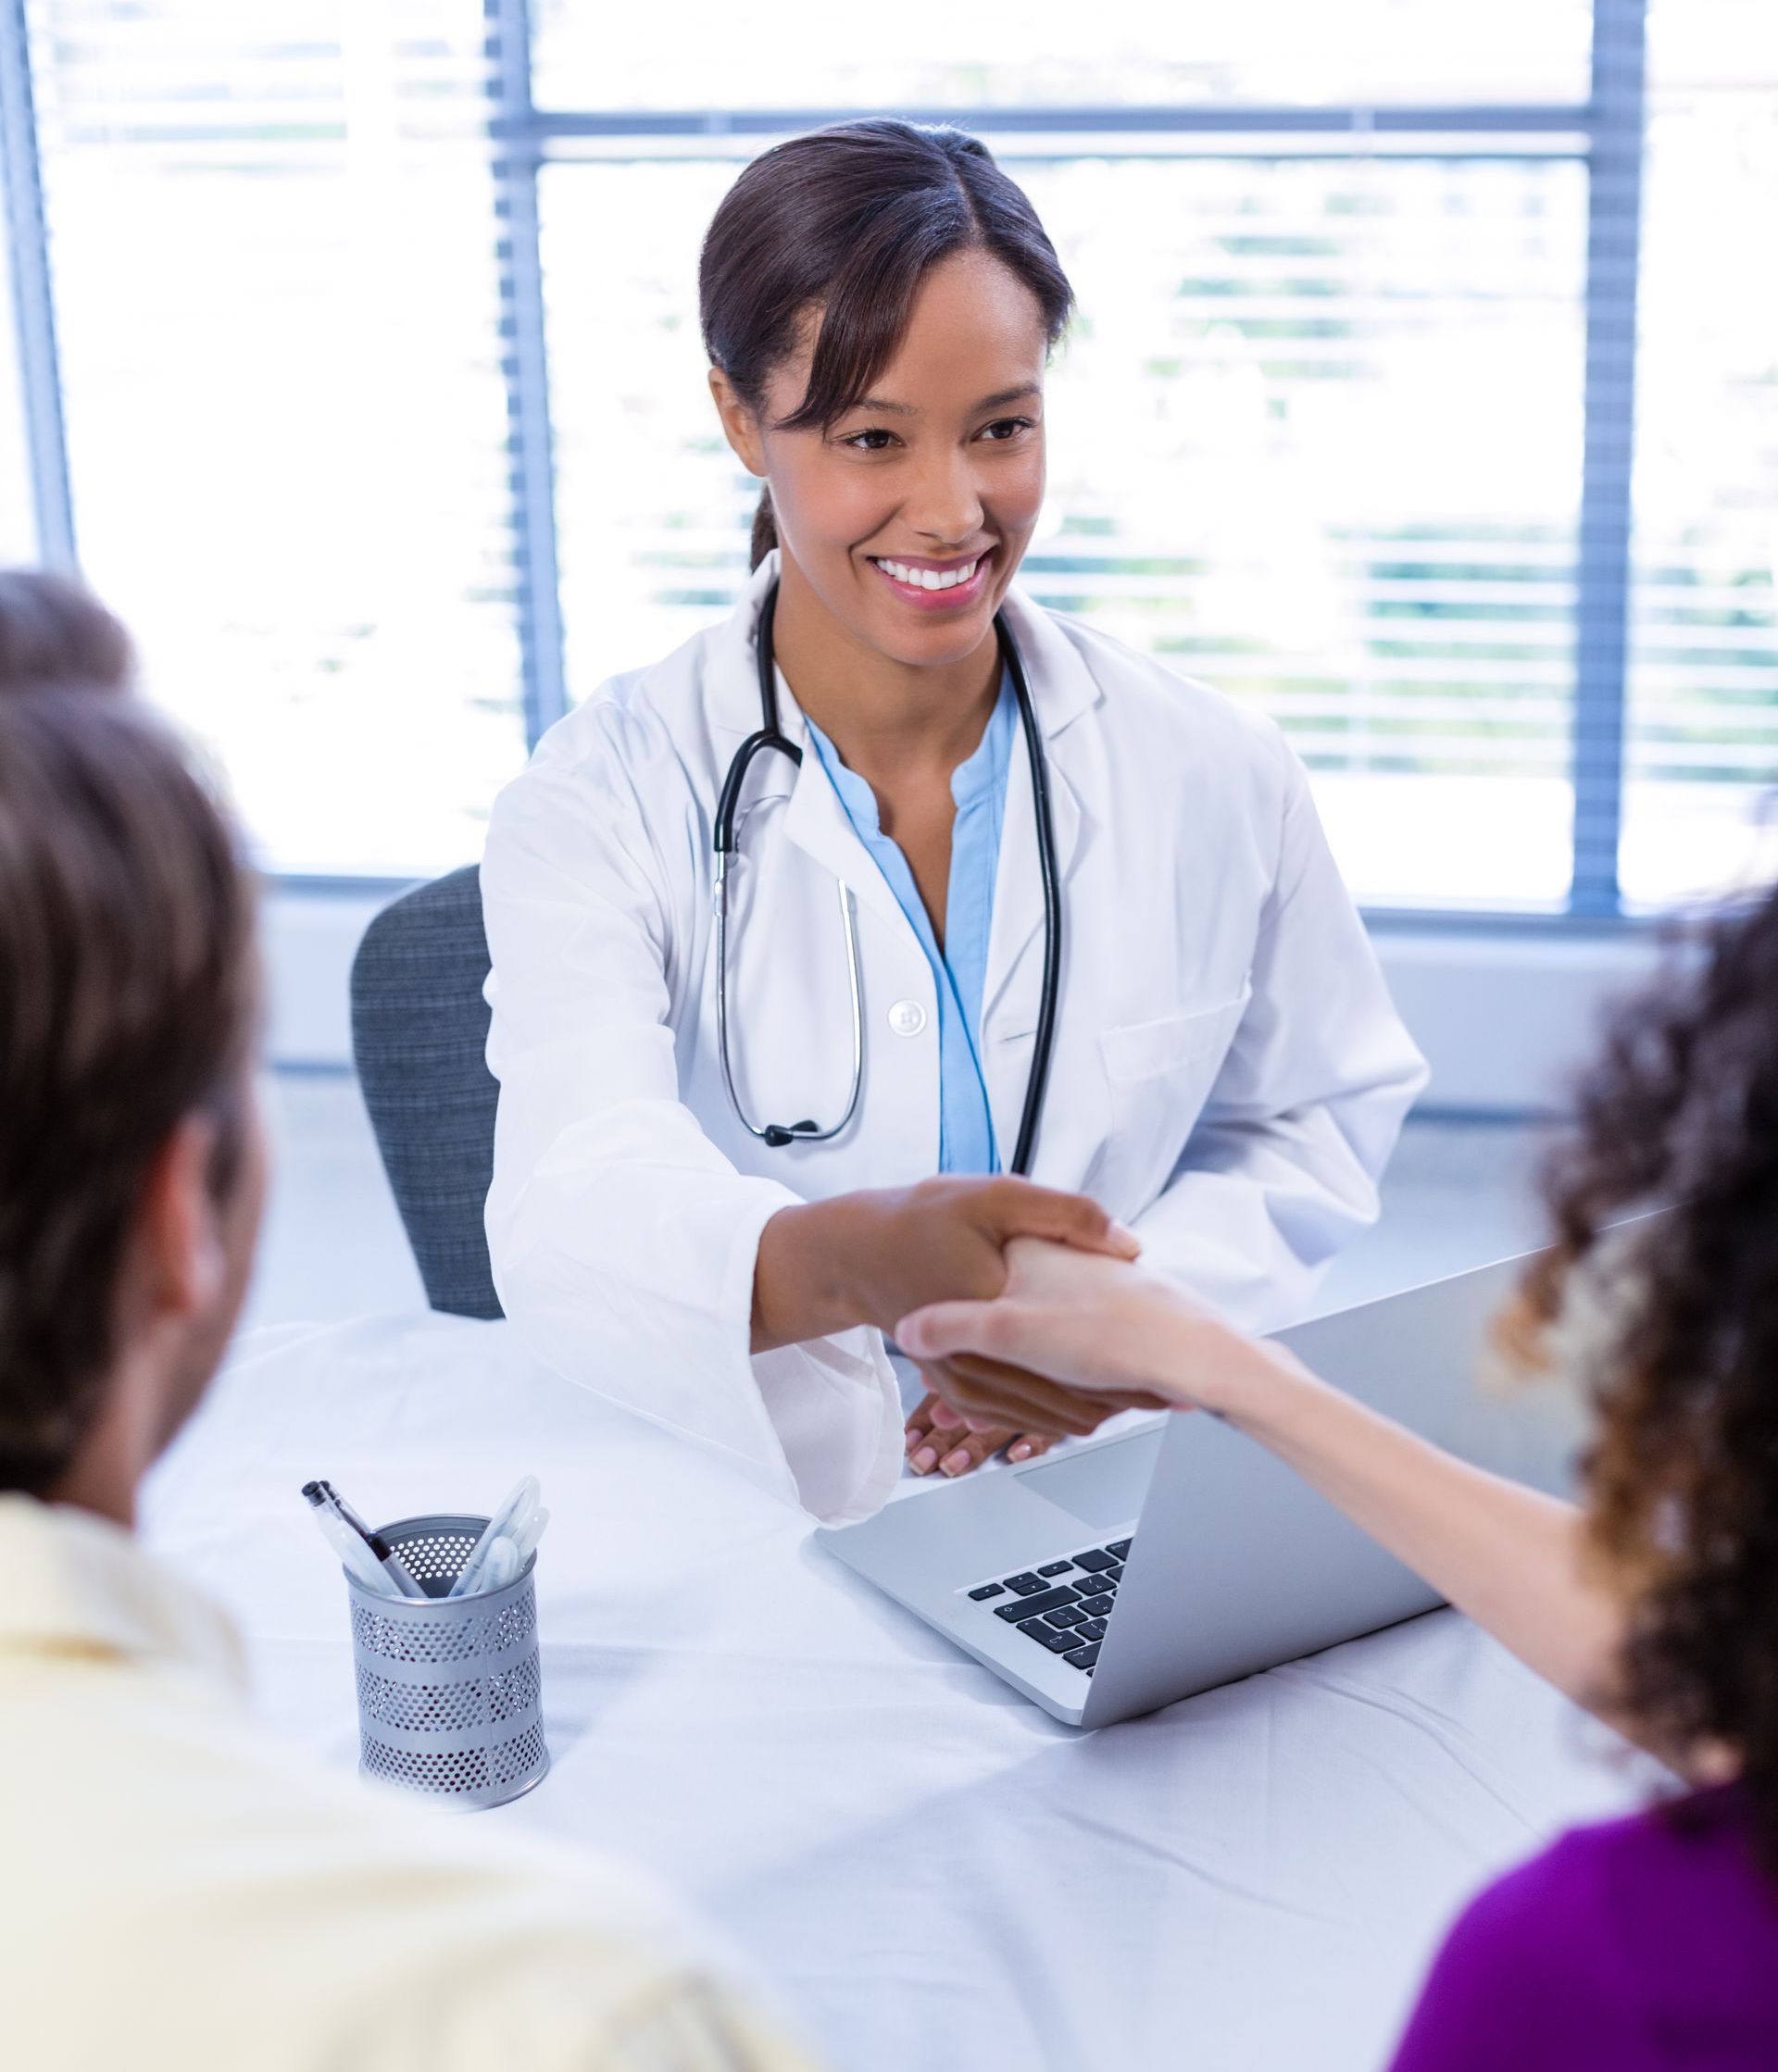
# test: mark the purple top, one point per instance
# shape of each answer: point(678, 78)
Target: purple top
point(1645, 1945)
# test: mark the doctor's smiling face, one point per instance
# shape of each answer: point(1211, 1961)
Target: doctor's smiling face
point(907, 516)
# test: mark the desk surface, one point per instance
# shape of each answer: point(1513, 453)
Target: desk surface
point(933, 1872)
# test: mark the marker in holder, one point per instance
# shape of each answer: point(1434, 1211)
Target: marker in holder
point(449, 1689)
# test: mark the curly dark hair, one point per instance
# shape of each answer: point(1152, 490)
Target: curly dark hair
point(1680, 1112)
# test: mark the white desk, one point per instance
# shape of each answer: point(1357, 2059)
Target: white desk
point(933, 1872)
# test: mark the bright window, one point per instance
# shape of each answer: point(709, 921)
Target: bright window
point(808, 54)
point(271, 233)
point(373, 323)
point(17, 521)
point(1702, 707)
point(1315, 437)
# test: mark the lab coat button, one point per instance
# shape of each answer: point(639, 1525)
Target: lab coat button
point(906, 1017)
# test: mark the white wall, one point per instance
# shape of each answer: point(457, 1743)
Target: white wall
point(1506, 1015)
point(1503, 1014)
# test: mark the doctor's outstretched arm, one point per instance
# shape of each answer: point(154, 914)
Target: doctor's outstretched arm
point(1283, 1166)
point(628, 1252)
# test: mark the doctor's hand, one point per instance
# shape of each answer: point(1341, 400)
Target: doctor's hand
point(1008, 1411)
point(1013, 1411)
point(1097, 1325)
point(1001, 1381)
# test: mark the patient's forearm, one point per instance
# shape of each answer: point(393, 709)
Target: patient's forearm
point(1508, 1556)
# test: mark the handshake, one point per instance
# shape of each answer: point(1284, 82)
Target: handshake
point(880, 1255)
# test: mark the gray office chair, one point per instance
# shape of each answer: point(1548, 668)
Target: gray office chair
point(419, 1029)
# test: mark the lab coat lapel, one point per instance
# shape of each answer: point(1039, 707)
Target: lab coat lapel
point(1062, 687)
point(815, 821)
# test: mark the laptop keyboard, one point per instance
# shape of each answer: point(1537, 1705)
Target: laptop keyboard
point(1063, 1605)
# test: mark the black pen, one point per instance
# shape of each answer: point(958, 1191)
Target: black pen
point(331, 1503)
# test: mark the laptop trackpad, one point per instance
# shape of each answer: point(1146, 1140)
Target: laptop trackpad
point(1102, 1487)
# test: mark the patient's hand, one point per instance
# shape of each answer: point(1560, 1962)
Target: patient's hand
point(955, 1231)
point(1092, 1323)
point(989, 1400)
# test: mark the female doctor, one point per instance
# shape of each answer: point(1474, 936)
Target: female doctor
point(893, 874)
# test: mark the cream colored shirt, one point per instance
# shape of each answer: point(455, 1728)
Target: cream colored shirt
point(180, 1890)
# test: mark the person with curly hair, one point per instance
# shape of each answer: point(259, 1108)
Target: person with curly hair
point(1652, 1941)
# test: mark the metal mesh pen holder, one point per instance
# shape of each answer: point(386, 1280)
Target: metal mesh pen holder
point(449, 1692)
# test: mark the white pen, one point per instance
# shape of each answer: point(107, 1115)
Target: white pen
point(508, 1556)
point(500, 1567)
point(507, 1522)
point(532, 1533)
point(328, 1502)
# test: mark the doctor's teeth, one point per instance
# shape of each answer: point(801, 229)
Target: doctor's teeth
point(928, 578)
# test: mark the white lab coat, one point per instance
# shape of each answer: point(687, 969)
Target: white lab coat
point(1228, 1078)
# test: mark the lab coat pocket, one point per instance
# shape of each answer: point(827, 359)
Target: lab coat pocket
point(1159, 1075)
point(1147, 1050)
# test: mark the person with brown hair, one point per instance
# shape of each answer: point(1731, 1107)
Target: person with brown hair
point(1652, 1943)
point(896, 915)
point(53, 632)
point(179, 1892)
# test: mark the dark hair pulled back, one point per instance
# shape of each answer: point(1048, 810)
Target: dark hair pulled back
point(848, 221)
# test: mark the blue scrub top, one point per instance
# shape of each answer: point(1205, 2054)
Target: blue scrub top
point(960, 972)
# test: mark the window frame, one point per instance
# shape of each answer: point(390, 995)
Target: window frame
point(1606, 133)
point(32, 300)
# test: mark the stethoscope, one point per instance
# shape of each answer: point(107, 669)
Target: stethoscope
point(768, 736)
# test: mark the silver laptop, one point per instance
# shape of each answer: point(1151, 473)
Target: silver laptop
point(1135, 1570)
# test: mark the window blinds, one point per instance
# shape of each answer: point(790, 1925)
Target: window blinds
point(272, 238)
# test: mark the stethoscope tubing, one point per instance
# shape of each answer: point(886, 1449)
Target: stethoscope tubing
point(770, 736)
point(1049, 878)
